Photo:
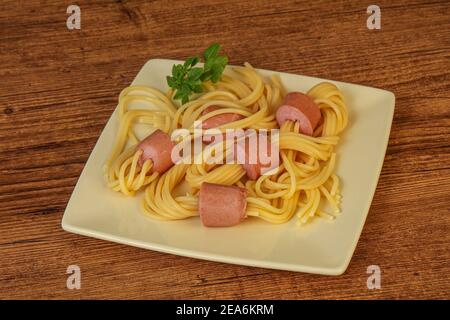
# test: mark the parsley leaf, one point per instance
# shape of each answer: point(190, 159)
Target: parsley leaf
point(187, 78)
point(212, 51)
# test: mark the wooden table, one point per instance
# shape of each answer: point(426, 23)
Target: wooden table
point(58, 88)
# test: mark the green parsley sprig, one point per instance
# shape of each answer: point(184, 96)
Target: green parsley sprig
point(187, 79)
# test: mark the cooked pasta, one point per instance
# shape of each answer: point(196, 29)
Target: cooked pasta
point(304, 185)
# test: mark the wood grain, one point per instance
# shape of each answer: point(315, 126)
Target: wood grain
point(59, 87)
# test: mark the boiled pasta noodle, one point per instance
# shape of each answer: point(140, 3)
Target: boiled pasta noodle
point(304, 184)
point(121, 170)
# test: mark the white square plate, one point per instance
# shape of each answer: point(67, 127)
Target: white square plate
point(319, 247)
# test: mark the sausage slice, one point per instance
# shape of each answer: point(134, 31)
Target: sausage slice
point(255, 169)
point(220, 119)
point(158, 148)
point(299, 107)
point(220, 205)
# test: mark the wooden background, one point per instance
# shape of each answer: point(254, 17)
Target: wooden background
point(59, 87)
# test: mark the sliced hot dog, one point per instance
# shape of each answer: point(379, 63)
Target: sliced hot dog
point(158, 148)
point(255, 169)
point(299, 107)
point(220, 119)
point(220, 205)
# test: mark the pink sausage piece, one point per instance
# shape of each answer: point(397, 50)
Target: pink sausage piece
point(220, 205)
point(255, 169)
point(299, 107)
point(220, 119)
point(158, 148)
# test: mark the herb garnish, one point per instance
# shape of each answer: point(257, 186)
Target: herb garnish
point(187, 79)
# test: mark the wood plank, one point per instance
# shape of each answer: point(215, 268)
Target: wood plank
point(59, 88)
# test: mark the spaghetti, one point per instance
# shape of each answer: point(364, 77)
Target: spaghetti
point(304, 185)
